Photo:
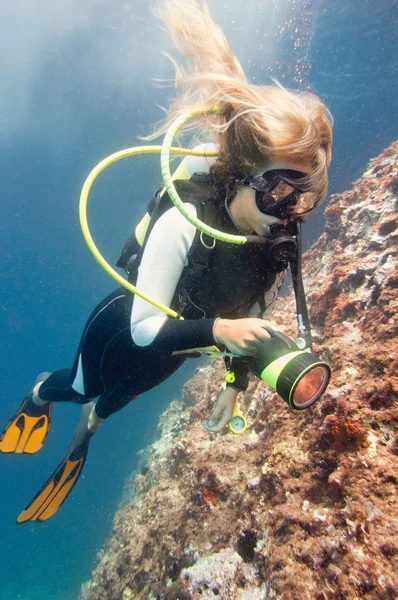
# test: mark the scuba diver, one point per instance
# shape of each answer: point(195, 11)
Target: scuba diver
point(271, 149)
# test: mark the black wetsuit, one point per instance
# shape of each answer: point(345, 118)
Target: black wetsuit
point(127, 345)
point(115, 369)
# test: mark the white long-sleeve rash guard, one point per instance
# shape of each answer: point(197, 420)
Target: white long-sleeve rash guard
point(161, 267)
point(162, 264)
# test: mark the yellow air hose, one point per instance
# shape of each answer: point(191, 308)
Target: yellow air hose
point(83, 212)
point(171, 190)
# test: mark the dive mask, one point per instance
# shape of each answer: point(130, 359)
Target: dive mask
point(275, 193)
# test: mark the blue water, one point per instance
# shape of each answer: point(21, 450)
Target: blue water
point(75, 86)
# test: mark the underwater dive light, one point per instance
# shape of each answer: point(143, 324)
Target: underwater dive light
point(298, 376)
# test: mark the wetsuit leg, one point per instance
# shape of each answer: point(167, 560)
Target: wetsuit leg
point(108, 363)
point(57, 388)
point(108, 325)
point(147, 373)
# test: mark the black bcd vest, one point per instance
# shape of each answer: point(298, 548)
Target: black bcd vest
point(221, 279)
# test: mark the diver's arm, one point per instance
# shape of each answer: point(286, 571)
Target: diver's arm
point(161, 267)
point(237, 381)
point(245, 336)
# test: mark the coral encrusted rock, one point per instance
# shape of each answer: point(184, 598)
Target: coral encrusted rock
point(303, 505)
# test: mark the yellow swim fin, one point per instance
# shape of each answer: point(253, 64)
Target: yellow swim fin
point(59, 485)
point(28, 428)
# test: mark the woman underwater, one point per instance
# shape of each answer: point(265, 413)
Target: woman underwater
point(274, 150)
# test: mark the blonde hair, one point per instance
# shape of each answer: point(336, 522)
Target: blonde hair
point(255, 125)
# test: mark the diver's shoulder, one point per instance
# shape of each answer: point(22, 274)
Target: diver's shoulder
point(172, 218)
point(201, 164)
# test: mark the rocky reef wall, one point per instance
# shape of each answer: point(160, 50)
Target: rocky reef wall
point(304, 504)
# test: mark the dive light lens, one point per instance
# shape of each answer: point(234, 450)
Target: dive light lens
point(303, 380)
point(310, 387)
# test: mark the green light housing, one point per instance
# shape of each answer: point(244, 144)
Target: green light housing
point(298, 376)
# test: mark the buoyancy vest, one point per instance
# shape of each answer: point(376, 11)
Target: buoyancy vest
point(220, 279)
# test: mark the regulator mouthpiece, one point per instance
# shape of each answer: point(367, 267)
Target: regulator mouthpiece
point(299, 377)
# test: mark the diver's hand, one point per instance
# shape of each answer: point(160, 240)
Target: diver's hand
point(241, 336)
point(222, 413)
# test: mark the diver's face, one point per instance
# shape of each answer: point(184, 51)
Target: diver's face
point(246, 215)
point(249, 212)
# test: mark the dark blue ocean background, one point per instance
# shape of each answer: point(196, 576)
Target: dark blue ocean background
point(76, 84)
